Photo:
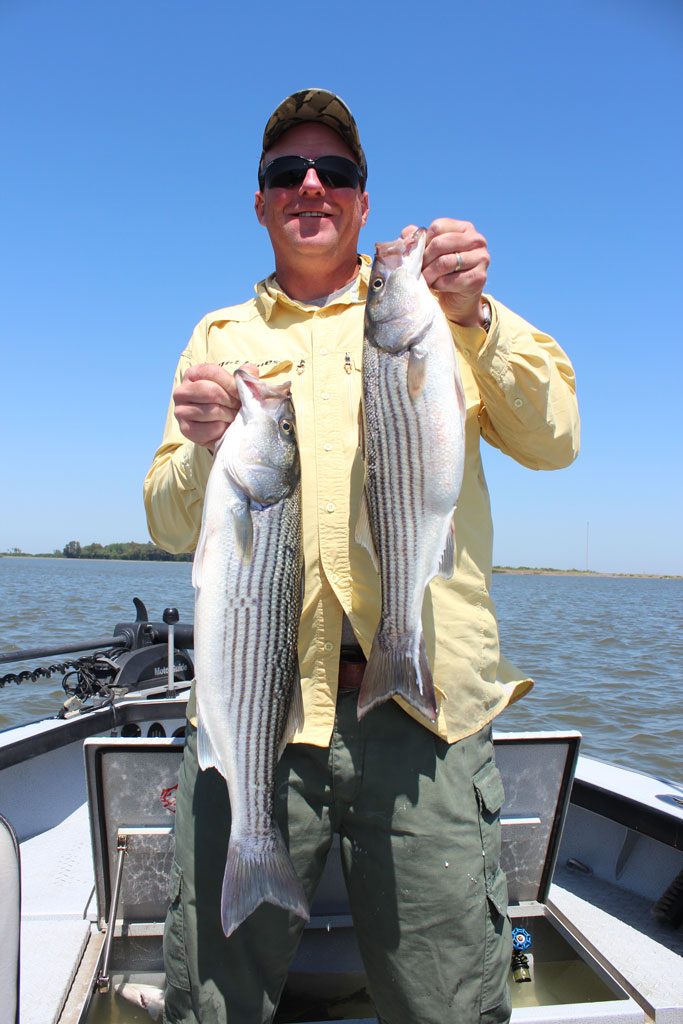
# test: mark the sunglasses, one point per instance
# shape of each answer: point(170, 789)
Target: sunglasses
point(290, 171)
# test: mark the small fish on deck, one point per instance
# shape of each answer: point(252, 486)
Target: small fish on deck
point(149, 997)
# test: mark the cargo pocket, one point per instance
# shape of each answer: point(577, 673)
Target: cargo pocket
point(495, 997)
point(175, 959)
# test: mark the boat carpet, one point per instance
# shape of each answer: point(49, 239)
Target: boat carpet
point(51, 951)
point(619, 925)
point(57, 886)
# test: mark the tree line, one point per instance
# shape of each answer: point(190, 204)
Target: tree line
point(127, 550)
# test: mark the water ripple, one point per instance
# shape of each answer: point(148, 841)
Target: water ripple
point(606, 654)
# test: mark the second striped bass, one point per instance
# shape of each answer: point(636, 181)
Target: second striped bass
point(414, 442)
point(247, 576)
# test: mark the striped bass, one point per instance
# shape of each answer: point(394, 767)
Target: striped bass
point(414, 445)
point(247, 575)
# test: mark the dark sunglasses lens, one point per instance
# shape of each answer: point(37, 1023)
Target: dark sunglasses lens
point(337, 172)
point(285, 172)
point(290, 171)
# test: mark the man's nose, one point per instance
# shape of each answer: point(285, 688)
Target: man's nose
point(311, 185)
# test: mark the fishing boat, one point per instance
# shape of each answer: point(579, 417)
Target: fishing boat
point(593, 854)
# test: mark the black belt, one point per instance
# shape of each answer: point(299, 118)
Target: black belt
point(351, 667)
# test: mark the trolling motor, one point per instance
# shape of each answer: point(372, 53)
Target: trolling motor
point(140, 655)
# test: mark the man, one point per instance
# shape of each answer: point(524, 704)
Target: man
point(416, 806)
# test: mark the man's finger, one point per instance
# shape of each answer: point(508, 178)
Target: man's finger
point(251, 368)
point(209, 371)
point(446, 225)
point(454, 263)
point(206, 392)
point(205, 412)
point(452, 242)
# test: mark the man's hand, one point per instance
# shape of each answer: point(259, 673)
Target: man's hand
point(457, 282)
point(207, 402)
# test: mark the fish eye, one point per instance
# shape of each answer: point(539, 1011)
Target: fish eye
point(287, 427)
point(378, 283)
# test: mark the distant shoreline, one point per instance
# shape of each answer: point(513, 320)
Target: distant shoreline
point(504, 570)
point(527, 571)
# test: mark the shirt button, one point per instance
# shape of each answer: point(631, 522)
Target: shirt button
point(518, 403)
point(330, 506)
point(327, 446)
point(329, 646)
point(325, 395)
point(323, 351)
point(468, 352)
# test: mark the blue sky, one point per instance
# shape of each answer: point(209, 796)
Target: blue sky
point(130, 137)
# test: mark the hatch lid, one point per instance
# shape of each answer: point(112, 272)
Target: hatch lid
point(537, 769)
point(132, 786)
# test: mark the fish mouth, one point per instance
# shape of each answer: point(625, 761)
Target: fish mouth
point(392, 255)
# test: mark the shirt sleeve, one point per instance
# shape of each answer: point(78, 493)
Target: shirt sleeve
point(528, 389)
point(175, 484)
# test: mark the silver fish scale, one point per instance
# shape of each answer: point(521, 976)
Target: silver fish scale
point(396, 437)
point(263, 605)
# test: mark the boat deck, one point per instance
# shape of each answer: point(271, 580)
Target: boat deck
point(58, 916)
point(627, 847)
point(644, 955)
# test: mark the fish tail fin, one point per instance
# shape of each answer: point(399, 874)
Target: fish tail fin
point(262, 875)
point(394, 670)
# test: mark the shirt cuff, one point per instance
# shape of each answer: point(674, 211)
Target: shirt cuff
point(473, 342)
point(194, 465)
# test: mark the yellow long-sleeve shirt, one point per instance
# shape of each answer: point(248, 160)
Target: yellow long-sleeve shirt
point(520, 393)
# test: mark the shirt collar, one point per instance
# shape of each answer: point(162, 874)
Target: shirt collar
point(269, 293)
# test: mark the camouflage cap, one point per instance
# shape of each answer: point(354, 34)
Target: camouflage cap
point(314, 105)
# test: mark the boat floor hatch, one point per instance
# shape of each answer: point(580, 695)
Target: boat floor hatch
point(131, 789)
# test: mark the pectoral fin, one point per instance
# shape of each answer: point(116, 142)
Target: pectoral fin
point(417, 370)
point(244, 529)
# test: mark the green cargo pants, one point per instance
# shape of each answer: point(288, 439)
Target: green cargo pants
point(420, 841)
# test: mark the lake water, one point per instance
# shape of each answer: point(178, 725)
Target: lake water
point(606, 654)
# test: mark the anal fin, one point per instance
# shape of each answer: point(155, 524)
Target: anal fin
point(207, 755)
point(295, 719)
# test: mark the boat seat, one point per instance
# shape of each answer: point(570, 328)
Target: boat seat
point(10, 923)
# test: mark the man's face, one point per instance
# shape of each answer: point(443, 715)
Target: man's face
point(286, 212)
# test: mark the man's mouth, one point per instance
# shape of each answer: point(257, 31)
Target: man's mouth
point(311, 213)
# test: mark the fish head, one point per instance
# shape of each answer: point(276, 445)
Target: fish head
point(398, 296)
point(265, 460)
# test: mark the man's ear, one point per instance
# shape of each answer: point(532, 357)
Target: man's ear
point(365, 207)
point(259, 203)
